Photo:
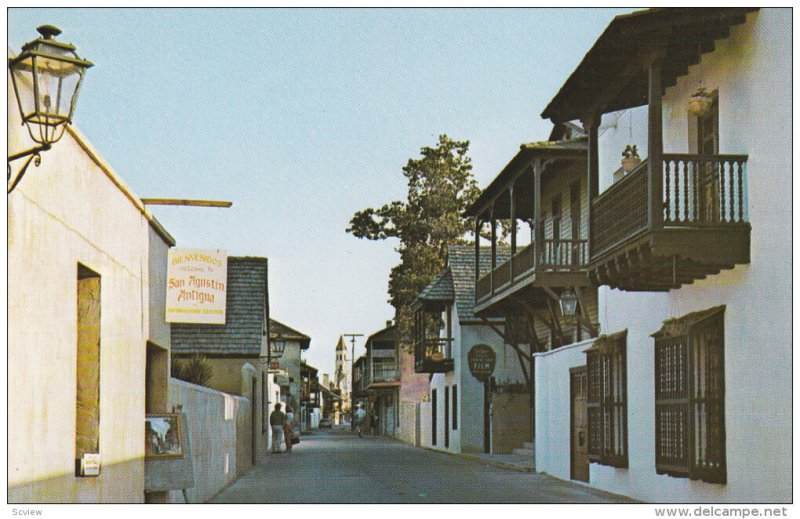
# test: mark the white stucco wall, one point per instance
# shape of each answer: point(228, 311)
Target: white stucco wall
point(290, 361)
point(74, 209)
point(214, 419)
point(553, 407)
point(159, 328)
point(751, 71)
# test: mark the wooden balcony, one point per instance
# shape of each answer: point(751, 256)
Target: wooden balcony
point(430, 356)
point(553, 264)
point(383, 376)
point(705, 224)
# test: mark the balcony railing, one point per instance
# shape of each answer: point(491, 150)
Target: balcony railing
point(431, 354)
point(698, 191)
point(552, 255)
point(383, 374)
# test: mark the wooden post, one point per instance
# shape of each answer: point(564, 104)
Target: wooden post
point(513, 218)
point(655, 147)
point(478, 225)
point(537, 207)
point(494, 238)
point(591, 126)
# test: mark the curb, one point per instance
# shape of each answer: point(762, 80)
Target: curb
point(498, 463)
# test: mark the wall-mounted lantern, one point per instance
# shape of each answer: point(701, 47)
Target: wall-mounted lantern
point(568, 302)
point(46, 76)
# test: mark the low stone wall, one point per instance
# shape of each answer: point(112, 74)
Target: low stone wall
point(220, 434)
point(407, 428)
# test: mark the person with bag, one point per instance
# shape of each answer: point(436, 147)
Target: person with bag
point(276, 421)
point(287, 428)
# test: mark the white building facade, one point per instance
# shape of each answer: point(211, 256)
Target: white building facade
point(88, 351)
point(700, 369)
point(459, 412)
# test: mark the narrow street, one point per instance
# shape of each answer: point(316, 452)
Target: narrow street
point(338, 467)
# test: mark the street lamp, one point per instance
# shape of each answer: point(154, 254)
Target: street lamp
point(568, 302)
point(46, 76)
point(277, 346)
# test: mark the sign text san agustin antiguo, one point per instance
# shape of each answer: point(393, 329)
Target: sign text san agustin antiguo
point(196, 286)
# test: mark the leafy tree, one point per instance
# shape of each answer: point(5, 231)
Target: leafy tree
point(440, 188)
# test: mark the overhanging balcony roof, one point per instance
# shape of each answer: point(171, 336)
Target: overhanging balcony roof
point(612, 75)
point(557, 151)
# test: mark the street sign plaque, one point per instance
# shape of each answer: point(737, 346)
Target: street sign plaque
point(482, 360)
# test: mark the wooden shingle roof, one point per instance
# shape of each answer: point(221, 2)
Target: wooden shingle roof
point(456, 282)
point(461, 261)
point(245, 315)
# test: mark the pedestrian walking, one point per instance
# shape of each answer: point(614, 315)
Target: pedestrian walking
point(374, 422)
point(287, 427)
point(361, 415)
point(276, 421)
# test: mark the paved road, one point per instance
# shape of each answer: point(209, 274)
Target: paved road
point(338, 467)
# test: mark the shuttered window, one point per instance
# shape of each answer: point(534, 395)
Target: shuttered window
point(606, 403)
point(690, 397)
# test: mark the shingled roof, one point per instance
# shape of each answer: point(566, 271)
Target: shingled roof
point(277, 328)
point(456, 282)
point(440, 289)
point(461, 261)
point(246, 307)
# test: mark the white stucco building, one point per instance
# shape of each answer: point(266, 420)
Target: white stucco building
point(88, 347)
point(460, 414)
point(688, 397)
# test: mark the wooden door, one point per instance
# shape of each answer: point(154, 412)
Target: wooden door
point(579, 445)
point(708, 144)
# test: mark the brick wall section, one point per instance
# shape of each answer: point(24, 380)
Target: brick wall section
point(413, 388)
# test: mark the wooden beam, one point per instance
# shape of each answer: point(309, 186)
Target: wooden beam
point(184, 202)
point(655, 147)
point(507, 341)
point(557, 321)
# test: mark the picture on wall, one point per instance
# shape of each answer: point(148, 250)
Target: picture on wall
point(162, 436)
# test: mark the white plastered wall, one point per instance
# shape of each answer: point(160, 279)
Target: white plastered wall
point(72, 210)
point(751, 70)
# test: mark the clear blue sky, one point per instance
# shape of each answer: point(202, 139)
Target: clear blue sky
point(302, 117)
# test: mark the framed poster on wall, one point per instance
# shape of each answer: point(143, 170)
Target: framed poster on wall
point(163, 436)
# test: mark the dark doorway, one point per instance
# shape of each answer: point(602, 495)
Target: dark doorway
point(579, 444)
point(446, 417)
point(433, 417)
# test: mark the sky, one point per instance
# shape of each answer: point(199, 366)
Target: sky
point(301, 117)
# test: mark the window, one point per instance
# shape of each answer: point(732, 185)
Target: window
point(455, 407)
point(690, 396)
point(606, 401)
point(433, 417)
point(87, 405)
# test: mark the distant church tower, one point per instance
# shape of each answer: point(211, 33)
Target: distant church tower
point(342, 378)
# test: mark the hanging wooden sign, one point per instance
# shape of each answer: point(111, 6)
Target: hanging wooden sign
point(482, 360)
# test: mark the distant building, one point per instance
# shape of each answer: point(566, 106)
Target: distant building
point(237, 350)
point(462, 414)
point(289, 362)
point(342, 379)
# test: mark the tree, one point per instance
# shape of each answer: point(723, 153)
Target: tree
point(440, 188)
